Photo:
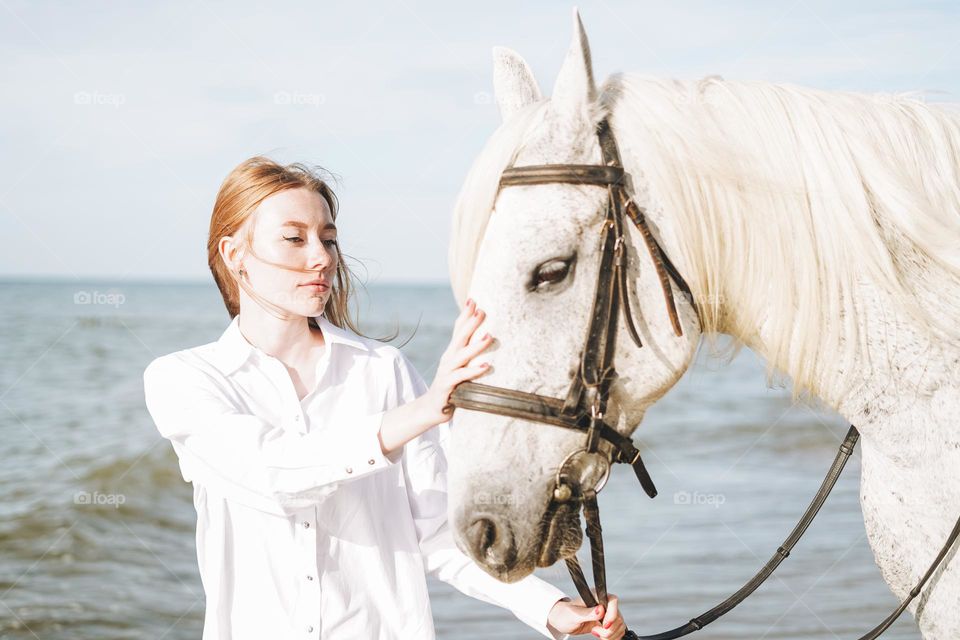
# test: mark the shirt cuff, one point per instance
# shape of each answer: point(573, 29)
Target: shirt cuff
point(557, 635)
point(370, 457)
point(359, 457)
point(542, 597)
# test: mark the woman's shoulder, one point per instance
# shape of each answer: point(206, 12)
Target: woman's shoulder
point(388, 356)
point(375, 348)
point(385, 357)
point(196, 363)
point(383, 350)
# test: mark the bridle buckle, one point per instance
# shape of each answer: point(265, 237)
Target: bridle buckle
point(595, 411)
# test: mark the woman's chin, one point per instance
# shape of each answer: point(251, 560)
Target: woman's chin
point(313, 310)
point(303, 309)
point(309, 306)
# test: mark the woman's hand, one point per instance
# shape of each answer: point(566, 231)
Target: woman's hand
point(576, 619)
point(453, 367)
point(407, 421)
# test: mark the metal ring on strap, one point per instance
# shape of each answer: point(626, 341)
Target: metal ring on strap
point(602, 459)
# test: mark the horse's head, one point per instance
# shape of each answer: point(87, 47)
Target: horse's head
point(532, 261)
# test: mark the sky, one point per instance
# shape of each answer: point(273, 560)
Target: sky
point(120, 120)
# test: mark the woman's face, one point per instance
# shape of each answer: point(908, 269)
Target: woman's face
point(294, 228)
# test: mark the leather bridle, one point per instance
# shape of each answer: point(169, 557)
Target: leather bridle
point(585, 403)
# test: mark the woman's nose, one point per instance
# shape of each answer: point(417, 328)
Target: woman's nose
point(322, 257)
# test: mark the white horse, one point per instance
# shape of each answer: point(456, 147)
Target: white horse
point(820, 229)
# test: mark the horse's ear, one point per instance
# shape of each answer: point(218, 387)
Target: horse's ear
point(513, 82)
point(574, 87)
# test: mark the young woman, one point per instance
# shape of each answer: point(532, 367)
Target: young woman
point(317, 454)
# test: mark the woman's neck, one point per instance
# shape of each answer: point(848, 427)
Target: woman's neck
point(291, 341)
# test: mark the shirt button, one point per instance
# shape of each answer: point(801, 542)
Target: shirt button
point(349, 469)
point(306, 525)
point(296, 418)
point(371, 461)
point(310, 629)
point(310, 578)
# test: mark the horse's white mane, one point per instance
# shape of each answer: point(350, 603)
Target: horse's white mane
point(782, 197)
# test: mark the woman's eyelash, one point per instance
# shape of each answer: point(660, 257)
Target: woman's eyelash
point(298, 239)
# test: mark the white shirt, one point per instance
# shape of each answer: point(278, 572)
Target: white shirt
point(305, 530)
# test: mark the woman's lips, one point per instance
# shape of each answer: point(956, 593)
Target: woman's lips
point(317, 288)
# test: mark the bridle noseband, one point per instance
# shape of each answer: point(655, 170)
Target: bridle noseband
point(583, 407)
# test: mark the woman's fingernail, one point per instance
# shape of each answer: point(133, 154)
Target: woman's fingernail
point(598, 610)
point(595, 633)
point(485, 365)
point(608, 625)
point(486, 336)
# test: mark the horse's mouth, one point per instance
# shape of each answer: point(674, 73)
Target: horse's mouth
point(561, 534)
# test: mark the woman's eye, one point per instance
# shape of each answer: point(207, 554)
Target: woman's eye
point(299, 240)
point(551, 272)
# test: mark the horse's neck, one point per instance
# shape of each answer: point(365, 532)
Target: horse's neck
point(905, 391)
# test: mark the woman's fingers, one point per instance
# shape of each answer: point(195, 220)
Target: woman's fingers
point(612, 609)
point(612, 625)
point(463, 331)
point(468, 373)
point(615, 632)
point(467, 309)
point(465, 354)
point(470, 326)
point(453, 366)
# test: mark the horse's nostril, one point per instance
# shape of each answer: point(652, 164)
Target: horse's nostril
point(491, 541)
point(482, 531)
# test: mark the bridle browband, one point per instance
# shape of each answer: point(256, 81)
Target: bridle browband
point(583, 407)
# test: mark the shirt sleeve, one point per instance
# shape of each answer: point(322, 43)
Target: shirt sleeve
point(245, 458)
point(425, 470)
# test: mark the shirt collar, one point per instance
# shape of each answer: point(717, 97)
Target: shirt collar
point(233, 349)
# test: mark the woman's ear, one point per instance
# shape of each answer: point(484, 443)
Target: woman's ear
point(230, 253)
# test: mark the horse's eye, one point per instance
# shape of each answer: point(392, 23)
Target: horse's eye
point(551, 272)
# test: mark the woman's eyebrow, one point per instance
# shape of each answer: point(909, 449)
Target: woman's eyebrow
point(303, 225)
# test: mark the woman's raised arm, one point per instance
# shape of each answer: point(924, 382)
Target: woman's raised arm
point(409, 420)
